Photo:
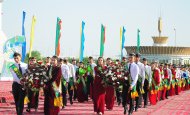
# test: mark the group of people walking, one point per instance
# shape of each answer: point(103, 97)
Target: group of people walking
point(62, 81)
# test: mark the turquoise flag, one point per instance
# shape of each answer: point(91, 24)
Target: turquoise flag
point(82, 41)
point(138, 40)
point(122, 41)
point(102, 40)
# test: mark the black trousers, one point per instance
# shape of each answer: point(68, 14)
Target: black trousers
point(31, 95)
point(18, 94)
point(70, 93)
point(131, 107)
point(145, 95)
point(89, 83)
point(139, 98)
point(64, 94)
point(125, 95)
point(118, 95)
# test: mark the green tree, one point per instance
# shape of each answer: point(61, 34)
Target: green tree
point(35, 54)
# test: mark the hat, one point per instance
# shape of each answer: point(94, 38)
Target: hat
point(137, 55)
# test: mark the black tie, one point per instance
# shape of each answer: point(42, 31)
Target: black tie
point(129, 68)
point(20, 69)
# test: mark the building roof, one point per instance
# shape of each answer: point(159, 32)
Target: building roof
point(160, 50)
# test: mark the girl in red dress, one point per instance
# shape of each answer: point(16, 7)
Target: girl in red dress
point(155, 84)
point(99, 88)
point(110, 96)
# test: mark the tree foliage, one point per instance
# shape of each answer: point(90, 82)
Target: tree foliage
point(35, 54)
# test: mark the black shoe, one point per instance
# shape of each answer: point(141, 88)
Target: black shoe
point(136, 109)
point(36, 110)
point(125, 110)
point(119, 103)
point(71, 103)
point(130, 113)
point(28, 110)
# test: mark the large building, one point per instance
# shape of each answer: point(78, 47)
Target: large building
point(161, 52)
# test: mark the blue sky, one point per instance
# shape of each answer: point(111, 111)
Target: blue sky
point(132, 14)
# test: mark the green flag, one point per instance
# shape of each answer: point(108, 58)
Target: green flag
point(102, 40)
point(138, 40)
point(58, 36)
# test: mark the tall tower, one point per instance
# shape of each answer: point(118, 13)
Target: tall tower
point(160, 40)
point(3, 38)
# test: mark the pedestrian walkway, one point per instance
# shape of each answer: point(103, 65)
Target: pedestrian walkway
point(175, 105)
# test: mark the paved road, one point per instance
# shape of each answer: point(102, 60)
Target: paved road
point(175, 105)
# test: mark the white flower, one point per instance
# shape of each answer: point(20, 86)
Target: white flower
point(44, 73)
point(126, 78)
point(117, 70)
point(36, 78)
point(110, 72)
point(31, 75)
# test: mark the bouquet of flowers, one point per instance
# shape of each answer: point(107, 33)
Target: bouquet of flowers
point(115, 75)
point(35, 77)
point(124, 73)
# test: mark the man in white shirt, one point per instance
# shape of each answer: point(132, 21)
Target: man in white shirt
point(74, 62)
point(148, 77)
point(65, 80)
point(17, 71)
point(140, 82)
point(132, 81)
point(71, 78)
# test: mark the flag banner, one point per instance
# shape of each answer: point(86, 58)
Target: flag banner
point(23, 34)
point(32, 35)
point(102, 40)
point(23, 21)
point(82, 41)
point(122, 40)
point(58, 36)
point(138, 40)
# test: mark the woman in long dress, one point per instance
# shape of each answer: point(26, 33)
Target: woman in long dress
point(81, 84)
point(52, 91)
point(99, 88)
